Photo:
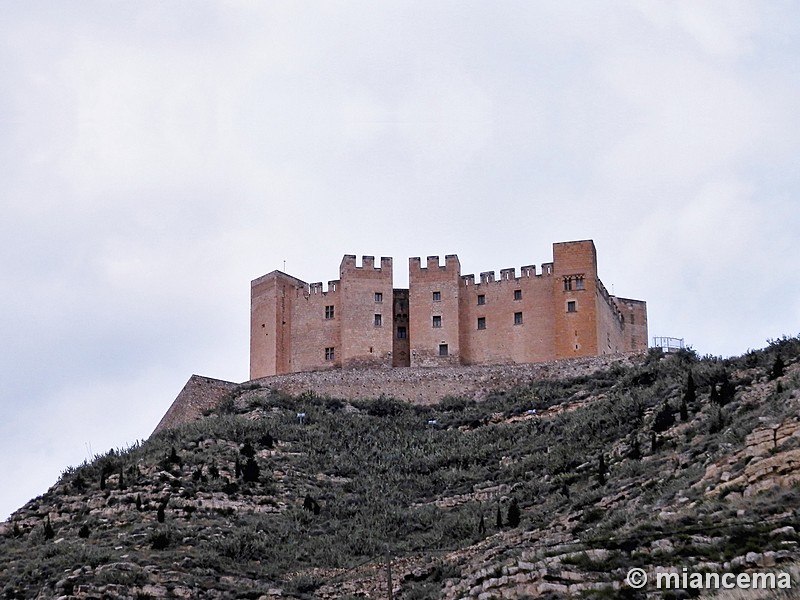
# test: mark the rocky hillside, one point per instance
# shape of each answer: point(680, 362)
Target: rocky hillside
point(552, 489)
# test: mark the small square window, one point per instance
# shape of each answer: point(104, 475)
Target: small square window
point(437, 321)
point(443, 350)
point(437, 296)
point(329, 353)
point(481, 299)
point(329, 312)
point(517, 294)
point(378, 320)
point(517, 318)
point(481, 322)
point(378, 297)
point(402, 333)
point(571, 306)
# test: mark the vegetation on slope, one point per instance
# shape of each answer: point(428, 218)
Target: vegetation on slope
point(252, 499)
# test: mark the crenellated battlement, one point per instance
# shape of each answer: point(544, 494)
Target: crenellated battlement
point(508, 275)
point(349, 264)
point(316, 288)
point(451, 263)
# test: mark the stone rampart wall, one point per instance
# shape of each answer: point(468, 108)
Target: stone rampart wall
point(423, 385)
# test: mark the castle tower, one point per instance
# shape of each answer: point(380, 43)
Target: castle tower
point(366, 312)
point(433, 308)
point(271, 300)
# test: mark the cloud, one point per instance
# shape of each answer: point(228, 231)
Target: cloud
point(156, 157)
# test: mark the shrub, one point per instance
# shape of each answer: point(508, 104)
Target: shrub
point(160, 538)
point(664, 418)
point(251, 471)
point(778, 368)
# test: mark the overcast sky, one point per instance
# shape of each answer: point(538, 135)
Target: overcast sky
point(157, 156)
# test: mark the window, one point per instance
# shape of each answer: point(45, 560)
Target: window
point(437, 296)
point(517, 294)
point(517, 318)
point(481, 322)
point(402, 333)
point(378, 297)
point(631, 316)
point(567, 284)
point(329, 354)
point(329, 312)
point(443, 350)
point(437, 321)
point(378, 320)
point(571, 306)
point(481, 299)
point(579, 283)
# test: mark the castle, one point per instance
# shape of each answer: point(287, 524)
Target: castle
point(443, 318)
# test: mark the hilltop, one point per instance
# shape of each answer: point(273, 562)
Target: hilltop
point(553, 488)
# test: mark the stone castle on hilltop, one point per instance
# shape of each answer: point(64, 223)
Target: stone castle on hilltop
point(443, 318)
point(486, 335)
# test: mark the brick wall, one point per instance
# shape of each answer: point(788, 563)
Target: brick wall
point(575, 302)
point(434, 311)
point(366, 292)
point(515, 313)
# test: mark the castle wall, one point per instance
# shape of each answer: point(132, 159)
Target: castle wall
point(611, 327)
point(434, 311)
point(418, 385)
point(197, 396)
point(507, 320)
point(635, 314)
point(271, 298)
point(316, 313)
point(367, 303)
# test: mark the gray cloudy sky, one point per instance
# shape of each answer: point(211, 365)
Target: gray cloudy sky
point(157, 156)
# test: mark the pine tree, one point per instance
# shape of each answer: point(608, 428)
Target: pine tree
point(247, 450)
point(684, 410)
point(174, 458)
point(251, 470)
point(635, 452)
point(690, 395)
point(601, 470)
point(49, 534)
point(160, 513)
point(513, 513)
point(778, 368)
point(138, 502)
point(727, 391)
point(499, 517)
point(121, 479)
